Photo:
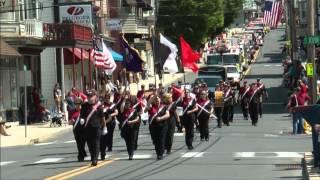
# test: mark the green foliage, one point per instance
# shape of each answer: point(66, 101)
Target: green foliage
point(195, 19)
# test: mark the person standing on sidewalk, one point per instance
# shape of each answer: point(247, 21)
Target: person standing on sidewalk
point(158, 115)
point(188, 117)
point(92, 113)
point(243, 99)
point(110, 112)
point(78, 129)
point(57, 96)
point(203, 114)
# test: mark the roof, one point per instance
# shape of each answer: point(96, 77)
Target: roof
point(7, 50)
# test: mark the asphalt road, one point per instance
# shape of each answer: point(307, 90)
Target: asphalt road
point(240, 151)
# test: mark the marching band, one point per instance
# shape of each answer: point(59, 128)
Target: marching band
point(96, 118)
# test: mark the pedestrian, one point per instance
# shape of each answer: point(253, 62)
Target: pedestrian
point(188, 117)
point(129, 119)
point(78, 129)
point(57, 96)
point(253, 96)
point(243, 99)
point(92, 113)
point(262, 95)
point(174, 118)
point(110, 113)
point(158, 126)
point(203, 114)
point(218, 104)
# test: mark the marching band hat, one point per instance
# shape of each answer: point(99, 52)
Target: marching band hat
point(91, 92)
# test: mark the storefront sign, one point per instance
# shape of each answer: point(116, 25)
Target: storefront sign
point(80, 14)
point(114, 24)
point(6, 5)
point(309, 69)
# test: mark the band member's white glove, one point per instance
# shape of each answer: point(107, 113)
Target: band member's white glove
point(104, 131)
point(82, 121)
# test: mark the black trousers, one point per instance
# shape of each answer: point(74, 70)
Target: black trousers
point(253, 111)
point(136, 136)
point(128, 135)
point(158, 135)
point(260, 108)
point(204, 128)
point(170, 133)
point(231, 112)
point(107, 140)
point(226, 115)
point(80, 137)
point(188, 123)
point(93, 141)
point(244, 108)
point(218, 112)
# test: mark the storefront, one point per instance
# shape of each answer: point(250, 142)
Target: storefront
point(9, 79)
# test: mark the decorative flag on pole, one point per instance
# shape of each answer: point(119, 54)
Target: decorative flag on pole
point(102, 56)
point(188, 56)
point(271, 13)
point(132, 60)
point(170, 63)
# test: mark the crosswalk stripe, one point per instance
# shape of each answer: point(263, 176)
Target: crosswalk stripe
point(244, 154)
point(192, 154)
point(48, 160)
point(69, 142)
point(135, 156)
point(6, 163)
point(289, 154)
point(268, 154)
point(47, 143)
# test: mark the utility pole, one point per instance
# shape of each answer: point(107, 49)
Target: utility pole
point(293, 35)
point(311, 50)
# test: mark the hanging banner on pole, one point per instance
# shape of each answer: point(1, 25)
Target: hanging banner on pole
point(309, 69)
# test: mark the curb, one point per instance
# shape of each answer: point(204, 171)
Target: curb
point(308, 171)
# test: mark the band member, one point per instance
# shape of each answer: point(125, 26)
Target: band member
point(263, 93)
point(243, 99)
point(203, 114)
point(172, 106)
point(93, 116)
point(110, 112)
point(188, 117)
point(78, 129)
point(253, 96)
point(139, 104)
point(218, 104)
point(177, 96)
point(226, 114)
point(128, 123)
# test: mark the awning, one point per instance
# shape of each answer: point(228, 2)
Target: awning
point(116, 56)
point(68, 58)
point(7, 50)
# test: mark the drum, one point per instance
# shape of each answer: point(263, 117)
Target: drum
point(218, 99)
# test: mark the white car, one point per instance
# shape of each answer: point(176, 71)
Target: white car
point(233, 75)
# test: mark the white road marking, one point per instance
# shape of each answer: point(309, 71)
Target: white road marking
point(144, 135)
point(267, 65)
point(43, 144)
point(192, 154)
point(48, 160)
point(135, 156)
point(6, 163)
point(289, 154)
point(178, 134)
point(69, 142)
point(271, 135)
point(244, 154)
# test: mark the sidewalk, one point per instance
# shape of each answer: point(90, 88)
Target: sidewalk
point(36, 133)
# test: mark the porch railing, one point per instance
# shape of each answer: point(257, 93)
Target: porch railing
point(34, 28)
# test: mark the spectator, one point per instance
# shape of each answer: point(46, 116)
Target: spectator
point(57, 96)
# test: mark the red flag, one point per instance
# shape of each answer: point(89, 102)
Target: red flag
point(188, 56)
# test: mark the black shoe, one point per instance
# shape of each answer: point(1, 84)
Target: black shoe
point(110, 150)
point(80, 159)
point(103, 158)
point(159, 157)
point(207, 139)
point(168, 151)
point(261, 116)
point(190, 147)
point(219, 126)
point(94, 163)
point(131, 157)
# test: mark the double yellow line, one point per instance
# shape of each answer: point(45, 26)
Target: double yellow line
point(78, 171)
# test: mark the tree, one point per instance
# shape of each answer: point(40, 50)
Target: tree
point(196, 20)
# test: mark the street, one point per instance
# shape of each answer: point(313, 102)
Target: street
point(240, 151)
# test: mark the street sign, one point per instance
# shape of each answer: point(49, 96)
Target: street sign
point(309, 69)
point(311, 40)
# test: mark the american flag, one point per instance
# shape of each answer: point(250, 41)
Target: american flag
point(271, 13)
point(102, 57)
